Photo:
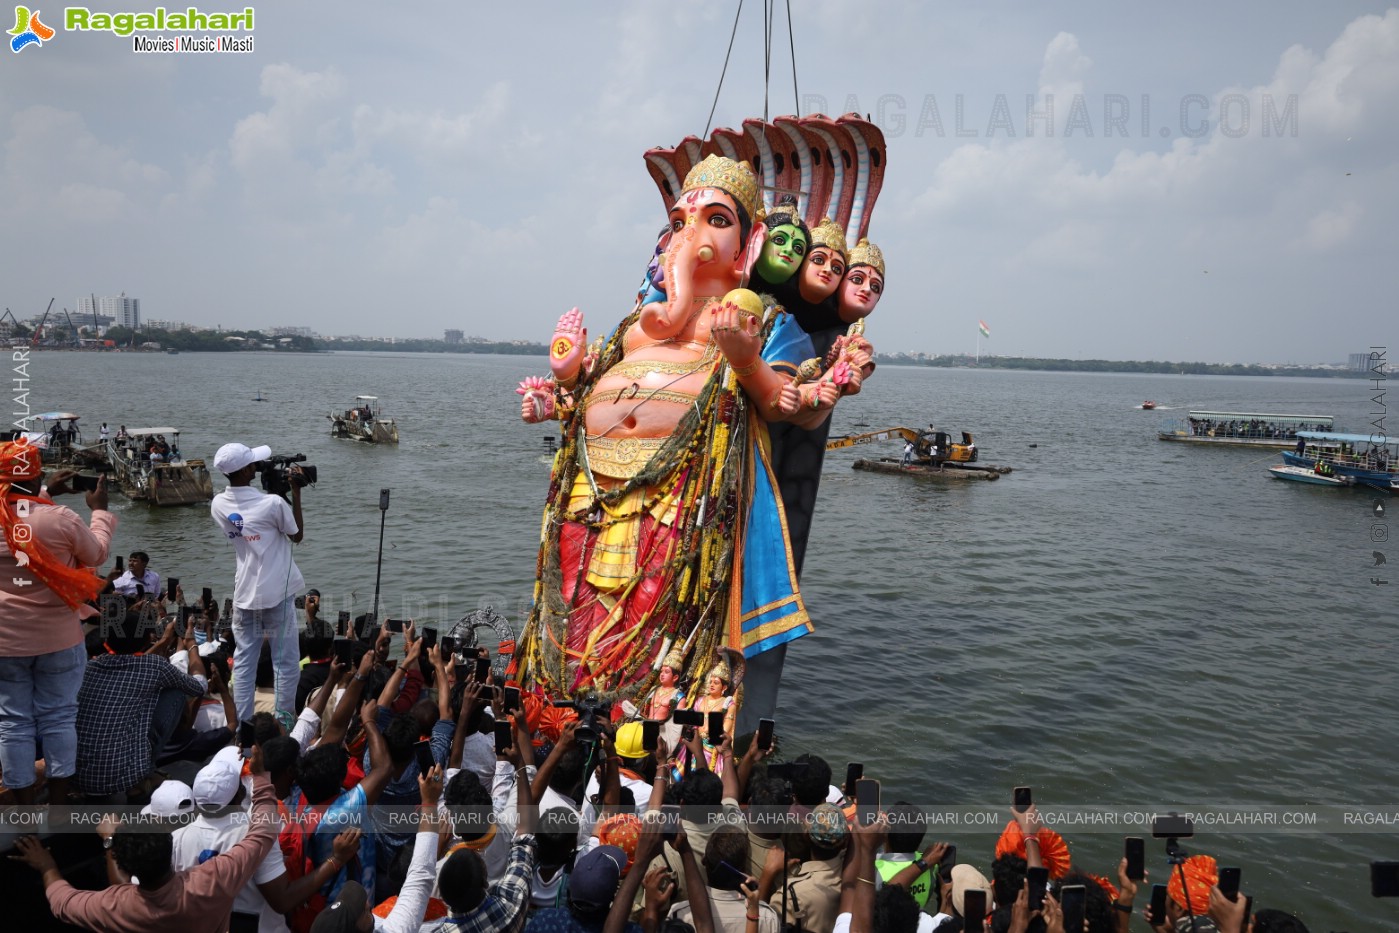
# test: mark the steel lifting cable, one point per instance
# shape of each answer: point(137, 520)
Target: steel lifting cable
point(710, 122)
point(768, 7)
point(792, 44)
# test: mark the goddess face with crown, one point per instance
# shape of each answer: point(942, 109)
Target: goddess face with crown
point(786, 246)
point(863, 284)
point(663, 699)
point(824, 267)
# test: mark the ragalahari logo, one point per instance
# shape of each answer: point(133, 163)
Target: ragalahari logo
point(28, 30)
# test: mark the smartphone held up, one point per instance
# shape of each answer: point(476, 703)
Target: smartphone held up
point(867, 801)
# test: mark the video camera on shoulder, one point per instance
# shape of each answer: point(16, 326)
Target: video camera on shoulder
point(277, 477)
point(593, 714)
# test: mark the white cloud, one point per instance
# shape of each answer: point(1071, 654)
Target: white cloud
point(297, 118)
point(1064, 69)
point(1330, 228)
point(1154, 216)
point(57, 173)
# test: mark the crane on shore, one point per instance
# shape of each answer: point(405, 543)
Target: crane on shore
point(39, 331)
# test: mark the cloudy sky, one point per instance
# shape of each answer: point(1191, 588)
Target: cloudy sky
point(403, 170)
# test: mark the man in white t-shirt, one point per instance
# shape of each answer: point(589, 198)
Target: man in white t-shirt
point(221, 797)
point(262, 529)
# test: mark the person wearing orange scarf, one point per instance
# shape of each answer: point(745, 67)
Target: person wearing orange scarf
point(44, 579)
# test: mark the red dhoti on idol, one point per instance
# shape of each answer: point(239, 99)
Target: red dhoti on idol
point(615, 573)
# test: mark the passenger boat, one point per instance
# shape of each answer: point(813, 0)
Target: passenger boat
point(363, 421)
point(1148, 405)
point(59, 443)
point(144, 476)
point(1243, 428)
point(1302, 475)
point(931, 454)
point(1368, 461)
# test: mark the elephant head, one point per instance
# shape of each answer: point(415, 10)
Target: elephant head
point(713, 243)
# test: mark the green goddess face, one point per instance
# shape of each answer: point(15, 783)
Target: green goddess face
point(782, 254)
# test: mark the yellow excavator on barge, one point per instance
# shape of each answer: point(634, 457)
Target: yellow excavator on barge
point(930, 453)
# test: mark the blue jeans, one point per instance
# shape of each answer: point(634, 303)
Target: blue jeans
point(39, 696)
point(165, 719)
point(250, 627)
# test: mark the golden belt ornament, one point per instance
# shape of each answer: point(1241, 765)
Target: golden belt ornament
point(624, 457)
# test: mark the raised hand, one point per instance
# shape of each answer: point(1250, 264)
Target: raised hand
point(33, 854)
point(788, 400)
point(97, 499)
point(839, 374)
point(819, 396)
point(57, 482)
point(738, 332)
point(537, 403)
point(430, 786)
point(566, 349)
point(369, 713)
point(859, 354)
point(345, 846)
point(659, 886)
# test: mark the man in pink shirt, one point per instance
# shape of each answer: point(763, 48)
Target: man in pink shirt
point(199, 900)
point(44, 579)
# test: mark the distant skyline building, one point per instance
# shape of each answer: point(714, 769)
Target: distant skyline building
point(1360, 362)
point(153, 324)
point(452, 336)
point(124, 311)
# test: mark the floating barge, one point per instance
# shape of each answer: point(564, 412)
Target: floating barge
point(947, 471)
point(929, 454)
point(173, 482)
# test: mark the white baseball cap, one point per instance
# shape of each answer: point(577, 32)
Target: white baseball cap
point(233, 457)
point(217, 783)
point(171, 798)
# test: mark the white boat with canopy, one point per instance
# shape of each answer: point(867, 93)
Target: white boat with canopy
point(363, 421)
point(1242, 428)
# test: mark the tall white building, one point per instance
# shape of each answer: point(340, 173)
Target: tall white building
point(124, 311)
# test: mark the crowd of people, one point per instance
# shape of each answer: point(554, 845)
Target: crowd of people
point(383, 783)
point(147, 448)
point(1253, 427)
point(65, 435)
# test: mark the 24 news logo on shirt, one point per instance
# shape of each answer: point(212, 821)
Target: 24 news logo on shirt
point(236, 521)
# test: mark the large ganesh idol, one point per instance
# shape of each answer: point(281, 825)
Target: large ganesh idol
point(663, 533)
point(667, 532)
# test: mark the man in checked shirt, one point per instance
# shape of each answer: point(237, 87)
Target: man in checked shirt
point(130, 703)
point(473, 905)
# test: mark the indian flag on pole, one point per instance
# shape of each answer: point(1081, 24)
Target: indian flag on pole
point(985, 331)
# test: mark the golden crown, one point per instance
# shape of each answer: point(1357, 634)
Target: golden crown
point(828, 233)
point(866, 253)
point(734, 178)
point(675, 661)
point(721, 670)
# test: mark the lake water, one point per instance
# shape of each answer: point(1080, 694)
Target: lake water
point(1119, 623)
